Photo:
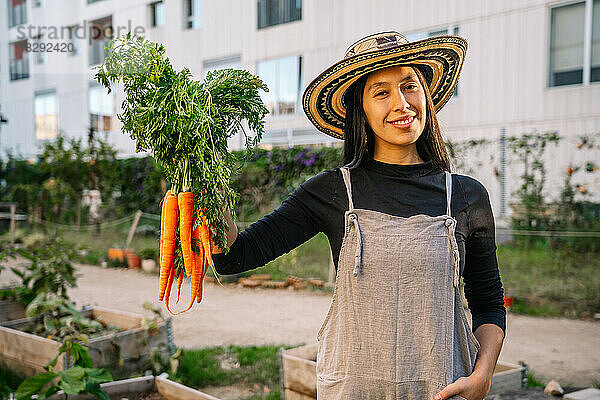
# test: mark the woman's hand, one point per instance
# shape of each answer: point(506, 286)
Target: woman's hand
point(472, 387)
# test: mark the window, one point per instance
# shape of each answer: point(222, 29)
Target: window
point(414, 36)
point(595, 64)
point(157, 13)
point(566, 44)
point(283, 77)
point(46, 115)
point(275, 12)
point(575, 49)
point(193, 14)
point(17, 12)
point(221, 63)
point(450, 30)
point(100, 34)
point(39, 56)
point(73, 39)
point(101, 108)
point(19, 60)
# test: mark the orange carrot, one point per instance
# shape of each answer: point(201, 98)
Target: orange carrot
point(197, 269)
point(169, 285)
point(179, 282)
point(199, 291)
point(186, 207)
point(205, 238)
point(170, 217)
point(162, 227)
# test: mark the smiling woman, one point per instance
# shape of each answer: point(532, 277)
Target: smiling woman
point(403, 229)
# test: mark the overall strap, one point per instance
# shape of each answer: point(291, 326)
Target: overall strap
point(448, 192)
point(346, 175)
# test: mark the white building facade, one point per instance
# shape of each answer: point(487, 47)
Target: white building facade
point(532, 65)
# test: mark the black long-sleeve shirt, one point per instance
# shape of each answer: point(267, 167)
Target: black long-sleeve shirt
point(319, 204)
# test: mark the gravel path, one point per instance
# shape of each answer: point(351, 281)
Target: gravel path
point(554, 348)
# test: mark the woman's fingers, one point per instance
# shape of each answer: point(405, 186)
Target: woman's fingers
point(457, 387)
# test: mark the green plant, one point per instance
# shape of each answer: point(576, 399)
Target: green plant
point(50, 271)
point(148, 253)
point(9, 382)
point(82, 377)
point(116, 263)
point(57, 317)
point(533, 380)
point(530, 150)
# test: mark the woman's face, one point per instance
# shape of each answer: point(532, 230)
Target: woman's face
point(394, 103)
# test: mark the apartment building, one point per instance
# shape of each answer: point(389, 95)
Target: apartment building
point(532, 65)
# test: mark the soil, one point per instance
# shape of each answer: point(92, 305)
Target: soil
point(553, 348)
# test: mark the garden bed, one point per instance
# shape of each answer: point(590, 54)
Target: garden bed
point(123, 353)
point(144, 388)
point(298, 368)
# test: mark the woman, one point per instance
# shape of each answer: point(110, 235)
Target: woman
point(402, 231)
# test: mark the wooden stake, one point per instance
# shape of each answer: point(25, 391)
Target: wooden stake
point(136, 219)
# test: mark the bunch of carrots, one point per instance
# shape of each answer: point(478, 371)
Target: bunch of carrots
point(185, 124)
point(195, 239)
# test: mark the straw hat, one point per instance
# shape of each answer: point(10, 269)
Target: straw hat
point(440, 59)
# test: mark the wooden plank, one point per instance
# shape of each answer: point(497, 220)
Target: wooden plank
point(11, 309)
point(506, 377)
point(300, 375)
point(25, 353)
point(125, 387)
point(122, 319)
point(308, 352)
point(291, 395)
point(176, 391)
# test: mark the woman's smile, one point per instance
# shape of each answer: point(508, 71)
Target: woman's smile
point(403, 123)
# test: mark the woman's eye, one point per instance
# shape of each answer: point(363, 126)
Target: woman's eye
point(411, 86)
point(380, 93)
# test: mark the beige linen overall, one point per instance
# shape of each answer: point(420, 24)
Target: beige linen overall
point(396, 327)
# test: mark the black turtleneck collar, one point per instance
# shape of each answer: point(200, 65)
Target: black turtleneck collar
point(401, 171)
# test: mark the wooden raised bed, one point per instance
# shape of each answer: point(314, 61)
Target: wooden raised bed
point(123, 353)
point(136, 388)
point(298, 369)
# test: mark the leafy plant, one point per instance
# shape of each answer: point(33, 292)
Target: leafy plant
point(56, 317)
point(82, 377)
point(50, 271)
point(184, 123)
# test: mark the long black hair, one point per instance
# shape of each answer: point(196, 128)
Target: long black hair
point(359, 139)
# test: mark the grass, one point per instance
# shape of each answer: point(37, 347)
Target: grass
point(309, 260)
point(256, 366)
point(550, 282)
point(533, 380)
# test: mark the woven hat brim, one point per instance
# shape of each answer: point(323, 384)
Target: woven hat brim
point(439, 58)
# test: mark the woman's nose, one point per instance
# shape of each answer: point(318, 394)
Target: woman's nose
point(399, 102)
